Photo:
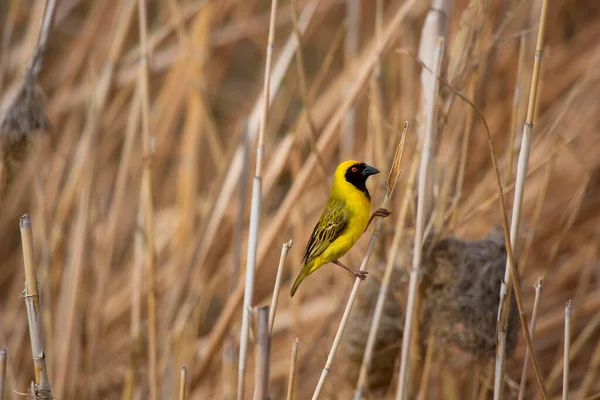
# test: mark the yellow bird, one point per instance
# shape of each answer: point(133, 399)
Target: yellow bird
point(345, 218)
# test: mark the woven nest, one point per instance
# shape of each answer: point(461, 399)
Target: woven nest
point(24, 121)
point(460, 287)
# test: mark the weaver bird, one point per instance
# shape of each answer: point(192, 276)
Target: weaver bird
point(345, 218)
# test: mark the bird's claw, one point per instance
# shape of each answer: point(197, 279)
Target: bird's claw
point(382, 212)
point(362, 275)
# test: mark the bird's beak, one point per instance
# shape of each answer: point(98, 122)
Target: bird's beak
point(368, 171)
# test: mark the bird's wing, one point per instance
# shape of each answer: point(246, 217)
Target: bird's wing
point(330, 226)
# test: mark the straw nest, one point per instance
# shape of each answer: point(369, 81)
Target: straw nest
point(460, 288)
point(24, 121)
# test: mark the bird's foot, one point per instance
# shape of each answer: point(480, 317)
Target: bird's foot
point(382, 212)
point(362, 275)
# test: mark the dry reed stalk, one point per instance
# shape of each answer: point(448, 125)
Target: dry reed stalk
point(3, 362)
point(436, 25)
point(107, 246)
point(292, 374)
point(390, 184)
point(385, 283)
point(424, 386)
point(67, 326)
point(285, 248)
point(376, 100)
point(229, 361)
point(573, 209)
point(183, 384)
point(538, 292)
point(262, 357)
point(351, 50)
point(34, 314)
point(305, 95)
point(503, 308)
point(325, 142)
point(591, 375)
point(464, 153)
point(567, 348)
point(537, 213)
point(255, 210)
point(514, 122)
point(422, 215)
point(147, 204)
point(130, 383)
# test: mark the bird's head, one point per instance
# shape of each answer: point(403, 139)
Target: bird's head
point(355, 173)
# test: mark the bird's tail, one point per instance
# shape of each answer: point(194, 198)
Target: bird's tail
point(303, 274)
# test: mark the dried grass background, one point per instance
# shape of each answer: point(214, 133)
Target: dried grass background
point(81, 186)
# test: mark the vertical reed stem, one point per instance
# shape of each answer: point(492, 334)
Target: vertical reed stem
point(565, 394)
point(378, 313)
point(538, 291)
point(34, 315)
point(292, 376)
point(263, 350)
point(284, 251)
point(420, 224)
point(255, 210)
point(183, 384)
point(503, 308)
point(3, 361)
point(148, 203)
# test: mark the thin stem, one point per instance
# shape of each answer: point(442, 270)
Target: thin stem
point(38, 57)
point(420, 223)
point(304, 92)
point(515, 111)
point(503, 308)
point(538, 291)
point(378, 313)
point(32, 301)
point(255, 211)
point(183, 383)
point(148, 204)
point(285, 248)
point(565, 394)
point(292, 376)
point(263, 350)
point(3, 362)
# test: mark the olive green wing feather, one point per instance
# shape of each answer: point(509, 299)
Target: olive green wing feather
point(330, 226)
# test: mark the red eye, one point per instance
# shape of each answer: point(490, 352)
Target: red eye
point(354, 169)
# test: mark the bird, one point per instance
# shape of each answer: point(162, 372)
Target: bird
point(343, 221)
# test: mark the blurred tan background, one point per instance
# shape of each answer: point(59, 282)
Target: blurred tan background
point(81, 183)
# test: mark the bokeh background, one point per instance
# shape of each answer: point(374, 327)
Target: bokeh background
point(80, 182)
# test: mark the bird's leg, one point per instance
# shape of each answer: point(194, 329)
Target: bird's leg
point(359, 274)
point(380, 212)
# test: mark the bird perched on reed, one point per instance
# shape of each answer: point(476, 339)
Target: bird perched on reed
point(345, 218)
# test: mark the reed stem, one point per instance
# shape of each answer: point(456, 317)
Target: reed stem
point(538, 292)
point(34, 314)
point(505, 292)
point(424, 175)
point(285, 248)
point(255, 209)
point(263, 350)
point(566, 356)
point(292, 375)
point(148, 206)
